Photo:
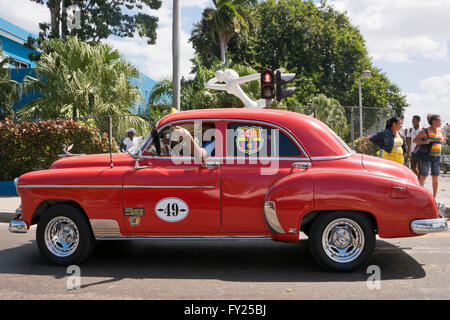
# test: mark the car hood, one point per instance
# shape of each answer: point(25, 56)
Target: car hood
point(388, 168)
point(94, 160)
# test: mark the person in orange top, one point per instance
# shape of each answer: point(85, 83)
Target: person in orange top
point(436, 137)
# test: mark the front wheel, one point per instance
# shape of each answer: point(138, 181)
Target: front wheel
point(63, 235)
point(342, 241)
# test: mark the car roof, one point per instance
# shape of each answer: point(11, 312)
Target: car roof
point(314, 136)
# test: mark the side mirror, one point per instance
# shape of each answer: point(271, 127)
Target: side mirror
point(137, 166)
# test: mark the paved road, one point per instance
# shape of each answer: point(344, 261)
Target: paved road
point(411, 268)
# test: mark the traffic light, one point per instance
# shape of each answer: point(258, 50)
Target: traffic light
point(267, 84)
point(281, 79)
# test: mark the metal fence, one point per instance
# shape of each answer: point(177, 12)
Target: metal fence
point(344, 120)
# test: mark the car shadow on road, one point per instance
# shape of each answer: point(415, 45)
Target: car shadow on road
point(239, 261)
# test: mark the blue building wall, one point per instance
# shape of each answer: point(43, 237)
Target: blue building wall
point(19, 75)
point(12, 39)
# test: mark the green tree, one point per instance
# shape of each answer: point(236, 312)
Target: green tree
point(221, 23)
point(316, 42)
point(77, 79)
point(329, 111)
point(100, 19)
point(10, 90)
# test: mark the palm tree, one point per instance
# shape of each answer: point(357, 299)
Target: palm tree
point(10, 90)
point(329, 111)
point(225, 20)
point(76, 79)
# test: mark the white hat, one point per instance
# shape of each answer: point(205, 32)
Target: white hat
point(131, 130)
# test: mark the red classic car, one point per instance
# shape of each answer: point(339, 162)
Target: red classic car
point(228, 174)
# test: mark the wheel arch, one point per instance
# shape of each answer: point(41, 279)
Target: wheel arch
point(308, 219)
point(44, 205)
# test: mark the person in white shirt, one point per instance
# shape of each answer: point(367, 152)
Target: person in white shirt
point(412, 133)
point(132, 141)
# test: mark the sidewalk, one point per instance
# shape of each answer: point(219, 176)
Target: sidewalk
point(8, 205)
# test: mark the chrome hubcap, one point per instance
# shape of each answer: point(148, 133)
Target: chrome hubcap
point(343, 240)
point(61, 236)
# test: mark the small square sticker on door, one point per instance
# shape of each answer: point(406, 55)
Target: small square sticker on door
point(134, 212)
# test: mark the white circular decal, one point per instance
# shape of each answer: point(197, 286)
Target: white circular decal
point(171, 209)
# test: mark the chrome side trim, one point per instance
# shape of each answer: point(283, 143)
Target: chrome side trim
point(69, 186)
point(270, 215)
point(188, 238)
point(333, 158)
point(168, 187)
point(429, 226)
point(113, 187)
point(227, 158)
point(105, 228)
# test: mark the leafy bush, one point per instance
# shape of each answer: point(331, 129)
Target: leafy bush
point(29, 146)
point(363, 145)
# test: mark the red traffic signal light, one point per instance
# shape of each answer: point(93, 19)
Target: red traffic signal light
point(282, 79)
point(267, 87)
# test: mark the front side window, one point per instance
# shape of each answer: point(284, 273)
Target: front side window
point(254, 140)
point(185, 140)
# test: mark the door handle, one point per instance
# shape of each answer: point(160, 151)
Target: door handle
point(211, 165)
point(302, 165)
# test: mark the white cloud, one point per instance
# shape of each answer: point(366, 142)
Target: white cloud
point(24, 13)
point(156, 60)
point(401, 30)
point(434, 99)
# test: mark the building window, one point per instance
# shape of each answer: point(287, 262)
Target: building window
point(19, 64)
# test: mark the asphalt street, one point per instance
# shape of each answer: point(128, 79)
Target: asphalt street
point(410, 268)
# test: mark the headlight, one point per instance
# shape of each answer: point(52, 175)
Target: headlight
point(16, 182)
point(441, 209)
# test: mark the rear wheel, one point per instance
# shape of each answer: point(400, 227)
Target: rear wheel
point(63, 235)
point(342, 241)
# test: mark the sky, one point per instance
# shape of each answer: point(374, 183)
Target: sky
point(407, 39)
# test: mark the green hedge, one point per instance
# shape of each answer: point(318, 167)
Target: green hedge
point(30, 146)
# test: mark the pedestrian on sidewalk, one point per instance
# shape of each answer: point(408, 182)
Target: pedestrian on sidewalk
point(411, 146)
point(432, 135)
point(390, 141)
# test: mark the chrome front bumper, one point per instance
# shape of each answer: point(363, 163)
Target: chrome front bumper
point(16, 225)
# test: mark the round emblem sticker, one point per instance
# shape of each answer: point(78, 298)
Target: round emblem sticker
point(171, 209)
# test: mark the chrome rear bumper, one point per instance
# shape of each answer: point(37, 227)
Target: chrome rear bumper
point(429, 225)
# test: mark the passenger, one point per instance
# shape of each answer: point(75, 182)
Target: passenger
point(207, 149)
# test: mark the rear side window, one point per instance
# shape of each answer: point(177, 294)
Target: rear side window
point(254, 140)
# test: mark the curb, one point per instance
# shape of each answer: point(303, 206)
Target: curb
point(7, 216)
